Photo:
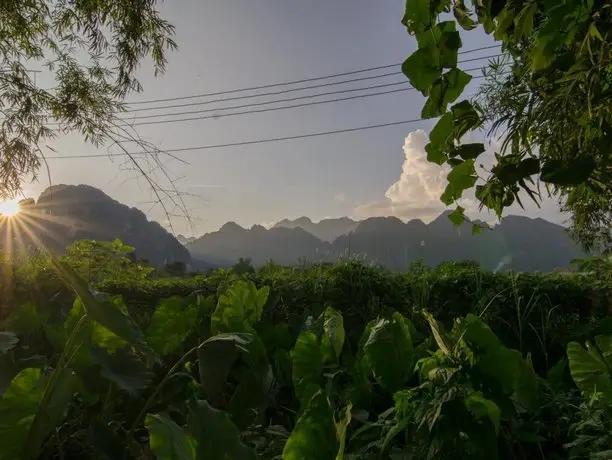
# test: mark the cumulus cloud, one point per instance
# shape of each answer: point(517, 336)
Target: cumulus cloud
point(416, 194)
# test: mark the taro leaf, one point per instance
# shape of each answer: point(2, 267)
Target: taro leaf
point(481, 407)
point(215, 435)
point(422, 67)
point(252, 393)
point(171, 324)
point(8, 341)
point(341, 428)
point(167, 440)
point(307, 366)
point(216, 356)
point(103, 311)
point(24, 423)
point(18, 406)
point(389, 353)
point(123, 368)
point(333, 335)
point(500, 368)
point(239, 308)
point(588, 368)
point(526, 389)
point(567, 173)
point(314, 435)
point(417, 16)
point(479, 336)
point(604, 345)
point(437, 333)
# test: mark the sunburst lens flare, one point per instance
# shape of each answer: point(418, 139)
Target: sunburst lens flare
point(9, 208)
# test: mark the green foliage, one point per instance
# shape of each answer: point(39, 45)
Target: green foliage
point(549, 96)
point(167, 440)
point(93, 70)
point(171, 324)
point(239, 309)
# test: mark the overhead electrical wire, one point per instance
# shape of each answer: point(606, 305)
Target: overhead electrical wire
point(294, 82)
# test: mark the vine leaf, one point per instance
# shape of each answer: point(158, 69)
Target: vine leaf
point(423, 68)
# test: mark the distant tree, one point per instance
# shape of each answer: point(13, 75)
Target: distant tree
point(243, 266)
point(176, 268)
point(92, 49)
point(97, 260)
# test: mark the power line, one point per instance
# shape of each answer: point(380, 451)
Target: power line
point(292, 99)
point(276, 93)
point(258, 141)
point(287, 83)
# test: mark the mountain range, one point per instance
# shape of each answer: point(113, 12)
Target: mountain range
point(66, 213)
point(518, 243)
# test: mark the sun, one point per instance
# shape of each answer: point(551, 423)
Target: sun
point(9, 208)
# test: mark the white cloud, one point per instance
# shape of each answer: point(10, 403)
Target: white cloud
point(340, 198)
point(416, 194)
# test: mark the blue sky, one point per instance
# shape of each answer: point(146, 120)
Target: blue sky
point(227, 44)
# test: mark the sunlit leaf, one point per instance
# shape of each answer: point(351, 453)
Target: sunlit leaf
point(239, 308)
point(171, 324)
point(307, 360)
point(314, 435)
point(588, 369)
point(389, 353)
point(167, 440)
point(215, 435)
point(333, 335)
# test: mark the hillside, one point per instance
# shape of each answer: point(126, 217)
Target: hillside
point(326, 230)
point(519, 243)
point(67, 213)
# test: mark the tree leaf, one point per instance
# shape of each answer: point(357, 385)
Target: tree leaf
point(417, 16)
point(423, 67)
point(167, 440)
point(307, 366)
point(388, 352)
point(457, 217)
point(449, 45)
point(456, 80)
point(314, 435)
point(469, 151)
point(441, 136)
point(476, 229)
point(588, 369)
point(462, 16)
point(460, 178)
point(171, 324)
point(215, 435)
point(567, 173)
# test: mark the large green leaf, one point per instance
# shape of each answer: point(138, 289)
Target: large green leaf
point(314, 435)
point(588, 368)
point(417, 16)
point(307, 366)
point(123, 368)
point(171, 323)
point(215, 435)
point(216, 356)
point(102, 309)
point(239, 308)
point(167, 440)
point(526, 388)
point(341, 428)
point(389, 353)
point(423, 67)
point(333, 335)
point(25, 418)
point(479, 335)
point(481, 407)
point(437, 333)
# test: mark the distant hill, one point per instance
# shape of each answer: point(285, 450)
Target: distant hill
point(326, 230)
point(67, 213)
point(518, 243)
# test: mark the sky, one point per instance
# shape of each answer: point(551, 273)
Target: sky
point(230, 44)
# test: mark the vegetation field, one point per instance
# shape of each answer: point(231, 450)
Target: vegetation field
point(343, 361)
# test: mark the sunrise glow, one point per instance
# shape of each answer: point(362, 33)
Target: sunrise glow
point(9, 208)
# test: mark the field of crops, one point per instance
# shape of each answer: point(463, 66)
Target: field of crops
point(328, 362)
